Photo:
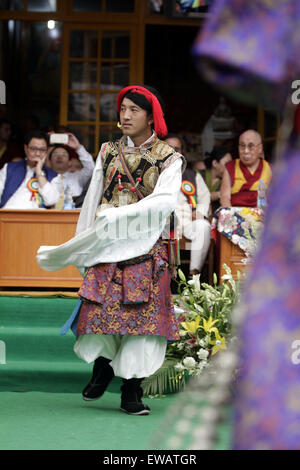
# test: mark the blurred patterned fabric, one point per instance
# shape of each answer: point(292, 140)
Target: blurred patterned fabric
point(267, 403)
point(245, 46)
point(253, 49)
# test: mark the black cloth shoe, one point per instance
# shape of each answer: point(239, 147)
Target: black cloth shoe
point(102, 375)
point(131, 398)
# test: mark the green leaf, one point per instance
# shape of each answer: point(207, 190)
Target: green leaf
point(167, 378)
point(181, 275)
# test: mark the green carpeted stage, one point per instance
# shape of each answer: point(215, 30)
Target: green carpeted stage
point(38, 357)
point(41, 381)
point(63, 421)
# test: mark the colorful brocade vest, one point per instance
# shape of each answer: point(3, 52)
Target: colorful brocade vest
point(244, 184)
point(145, 163)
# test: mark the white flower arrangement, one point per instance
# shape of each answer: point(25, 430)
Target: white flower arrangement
point(206, 326)
point(202, 354)
point(204, 312)
point(189, 362)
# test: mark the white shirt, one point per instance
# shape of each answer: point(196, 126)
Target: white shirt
point(78, 179)
point(21, 199)
point(130, 142)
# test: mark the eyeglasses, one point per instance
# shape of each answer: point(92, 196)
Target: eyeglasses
point(37, 149)
point(60, 155)
point(250, 146)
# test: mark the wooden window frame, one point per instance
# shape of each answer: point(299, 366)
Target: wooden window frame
point(66, 60)
point(65, 13)
point(261, 117)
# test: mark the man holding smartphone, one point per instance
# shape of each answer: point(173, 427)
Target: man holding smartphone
point(60, 161)
point(28, 184)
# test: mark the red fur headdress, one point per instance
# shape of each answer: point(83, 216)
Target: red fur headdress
point(160, 126)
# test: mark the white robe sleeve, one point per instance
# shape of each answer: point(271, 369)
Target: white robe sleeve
point(203, 196)
point(50, 192)
point(3, 172)
point(88, 164)
point(119, 233)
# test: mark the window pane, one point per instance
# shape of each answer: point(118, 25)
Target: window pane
point(108, 107)
point(270, 124)
point(155, 6)
point(115, 44)
point(41, 5)
point(83, 44)
point(86, 136)
point(83, 75)
point(42, 63)
point(87, 5)
point(12, 5)
point(108, 133)
point(120, 5)
point(114, 75)
point(82, 107)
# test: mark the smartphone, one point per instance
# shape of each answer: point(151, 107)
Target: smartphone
point(59, 139)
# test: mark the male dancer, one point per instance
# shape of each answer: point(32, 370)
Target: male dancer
point(126, 316)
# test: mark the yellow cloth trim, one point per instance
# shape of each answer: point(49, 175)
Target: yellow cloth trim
point(266, 175)
point(239, 179)
point(3, 150)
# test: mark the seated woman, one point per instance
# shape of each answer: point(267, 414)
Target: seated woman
point(241, 176)
point(213, 173)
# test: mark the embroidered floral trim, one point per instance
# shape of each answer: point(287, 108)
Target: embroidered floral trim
point(240, 224)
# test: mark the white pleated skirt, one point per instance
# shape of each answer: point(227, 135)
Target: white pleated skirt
point(131, 356)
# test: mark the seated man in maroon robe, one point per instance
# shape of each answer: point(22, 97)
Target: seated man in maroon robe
point(242, 175)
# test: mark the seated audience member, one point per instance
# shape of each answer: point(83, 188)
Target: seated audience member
point(241, 176)
point(174, 141)
point(28, 184)
point(200, 165)
point(212, 175)
point(9, 151)
point(75, 165)
point(192, 212)
point(60, 159)
point(59, 130)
